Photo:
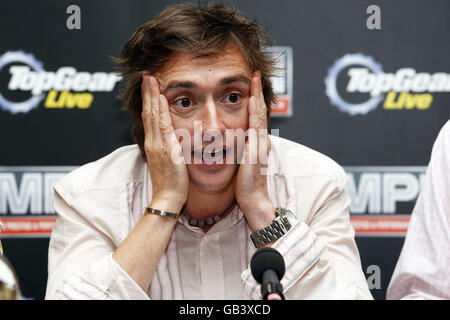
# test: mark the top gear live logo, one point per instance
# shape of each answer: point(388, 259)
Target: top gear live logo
point(28, 75)
point(404, 89)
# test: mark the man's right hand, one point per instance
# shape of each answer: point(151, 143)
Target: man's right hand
point(170, 180)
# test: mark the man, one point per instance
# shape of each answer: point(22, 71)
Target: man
point(423, 269)
point(179, 216)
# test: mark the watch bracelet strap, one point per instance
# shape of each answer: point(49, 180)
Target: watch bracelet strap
point(158, 212)
point(272, 232)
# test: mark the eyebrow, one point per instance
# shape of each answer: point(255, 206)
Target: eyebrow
point(232, 79)
point(179, 84)
point(191, 85)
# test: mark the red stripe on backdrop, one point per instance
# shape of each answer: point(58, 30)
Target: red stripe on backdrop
point(363, 225)
point(27, 226)
point(380, 225)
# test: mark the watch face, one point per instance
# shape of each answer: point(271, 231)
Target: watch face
point(291, 218)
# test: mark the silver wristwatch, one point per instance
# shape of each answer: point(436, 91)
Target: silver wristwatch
point(283, 222)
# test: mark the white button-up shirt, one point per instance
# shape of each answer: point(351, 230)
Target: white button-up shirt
point(423, 269)
point(98, 205)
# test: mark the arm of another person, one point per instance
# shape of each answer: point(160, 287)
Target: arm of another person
point(423, 269)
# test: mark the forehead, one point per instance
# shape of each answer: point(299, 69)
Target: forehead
point(185, 66)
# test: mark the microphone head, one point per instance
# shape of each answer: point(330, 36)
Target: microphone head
point(267, 258)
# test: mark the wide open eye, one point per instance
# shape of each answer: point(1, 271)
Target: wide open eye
point(184, 103)
point(233, 98)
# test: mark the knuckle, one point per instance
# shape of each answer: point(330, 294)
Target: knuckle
point(164, 126)
point(147, 149)
point(262, 115)
point(264, 109)
point(153, 114)
point(144, 113)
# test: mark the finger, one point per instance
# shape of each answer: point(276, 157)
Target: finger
point(168, 133)
point(154, 112)
point(260, 121)
point(253, 85)
point(263, 148)
point(146, 105)
point(165, 120)
point(251, 146)
point(250, 153)
point(262, 108)
point(253, 114)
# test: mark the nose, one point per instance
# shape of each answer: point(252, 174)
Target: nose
point(212, 124)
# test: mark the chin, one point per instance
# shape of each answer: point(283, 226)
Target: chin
point(212, 179)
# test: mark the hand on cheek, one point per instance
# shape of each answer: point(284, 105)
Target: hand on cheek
point(251, 182)
point(168, 171)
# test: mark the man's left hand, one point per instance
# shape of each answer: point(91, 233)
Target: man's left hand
point(251, 181)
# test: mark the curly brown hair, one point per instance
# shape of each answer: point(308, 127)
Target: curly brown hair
point(200, 30)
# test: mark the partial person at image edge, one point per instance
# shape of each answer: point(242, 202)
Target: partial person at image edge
point(423, 269)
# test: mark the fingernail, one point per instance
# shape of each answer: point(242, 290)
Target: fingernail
point(153, 81)
point(256, 80)
point(145, 79)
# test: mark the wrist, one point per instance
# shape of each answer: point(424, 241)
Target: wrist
point(283, 222)
point(166, 204)
point(260, 214)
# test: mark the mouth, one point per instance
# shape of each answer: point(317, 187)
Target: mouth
point(212, 159)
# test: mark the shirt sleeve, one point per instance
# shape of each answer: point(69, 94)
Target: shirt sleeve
point(80, 263)
point(422, 271)
point(321, 257)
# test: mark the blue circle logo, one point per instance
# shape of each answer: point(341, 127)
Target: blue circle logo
point(331, 84)
point(33, 101)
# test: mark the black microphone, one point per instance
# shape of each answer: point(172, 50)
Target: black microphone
point(267, 266)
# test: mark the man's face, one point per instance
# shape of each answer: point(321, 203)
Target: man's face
point(208, 96)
